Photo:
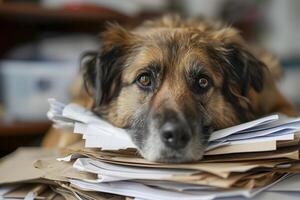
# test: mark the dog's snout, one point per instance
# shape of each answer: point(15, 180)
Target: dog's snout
point(175, 135)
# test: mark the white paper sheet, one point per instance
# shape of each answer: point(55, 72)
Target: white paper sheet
point(231, 130)
point(79, 113)
point(105, 142)
point(260, 139)
point(254, 134)
point(80, 128)
point(126, 172)
point(133, 189)
point(283, 121)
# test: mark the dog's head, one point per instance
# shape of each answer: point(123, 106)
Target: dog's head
point(171, 84)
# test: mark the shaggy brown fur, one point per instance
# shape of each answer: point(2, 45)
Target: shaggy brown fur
point(176, 54)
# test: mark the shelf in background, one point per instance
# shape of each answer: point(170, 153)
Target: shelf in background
point(23, 128)
point(36, 13)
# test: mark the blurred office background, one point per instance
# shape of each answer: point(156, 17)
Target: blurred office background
point(41, 42)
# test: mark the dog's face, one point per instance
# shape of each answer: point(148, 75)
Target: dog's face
point(171, 87)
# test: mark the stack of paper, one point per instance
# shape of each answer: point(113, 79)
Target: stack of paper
point(35, 173)
point(240, 162)
point(265, 134)
point(263, 150)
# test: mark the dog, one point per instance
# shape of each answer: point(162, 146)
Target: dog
point(171, 82)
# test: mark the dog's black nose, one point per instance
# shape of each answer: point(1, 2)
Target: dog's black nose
point(175, 135)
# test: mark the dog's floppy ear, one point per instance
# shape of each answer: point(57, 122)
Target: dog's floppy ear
point(102, 71)
point(242, 72)
point(244, 69)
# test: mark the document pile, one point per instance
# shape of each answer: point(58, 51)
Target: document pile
point(258, 159)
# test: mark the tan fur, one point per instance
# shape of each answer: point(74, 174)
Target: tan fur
point(147, 43)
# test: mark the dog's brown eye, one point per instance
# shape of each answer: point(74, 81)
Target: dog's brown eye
point(203, 82)
point(144, 80)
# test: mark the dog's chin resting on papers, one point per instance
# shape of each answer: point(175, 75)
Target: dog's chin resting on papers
point(172, 81)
